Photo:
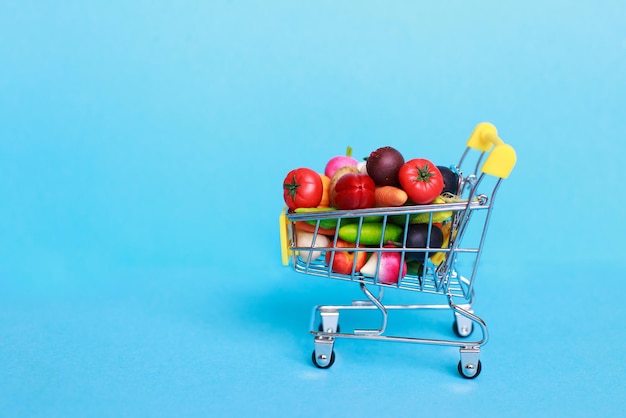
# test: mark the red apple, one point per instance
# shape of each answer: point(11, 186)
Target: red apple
point(345, 260)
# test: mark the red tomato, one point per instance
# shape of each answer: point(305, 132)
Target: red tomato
point(421, 180)
point(302, 188)
point(355, 191)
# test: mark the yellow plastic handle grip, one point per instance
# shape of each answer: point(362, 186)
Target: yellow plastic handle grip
point(501, 159)
point(484, 136)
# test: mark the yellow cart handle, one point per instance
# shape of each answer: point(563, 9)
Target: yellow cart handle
point(501, 159)
point(484, 136)
point(285, 252)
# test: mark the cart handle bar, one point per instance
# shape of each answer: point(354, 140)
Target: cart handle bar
point(501, 159)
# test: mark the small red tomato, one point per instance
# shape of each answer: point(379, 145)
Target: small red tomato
point(421, 180)
point(355, 191)
point(302, 188)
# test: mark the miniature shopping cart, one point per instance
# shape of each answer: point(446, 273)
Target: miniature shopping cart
point(446, 270)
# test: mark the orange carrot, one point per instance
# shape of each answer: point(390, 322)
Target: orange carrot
point(303, 226)
point(390, 196)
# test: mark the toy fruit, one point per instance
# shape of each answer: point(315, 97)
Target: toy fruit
point(450, 180)
point(390, 269)
point(354, 191)
point(302, 188)
point(343, 261)
point(417, 237)
point(310, 240)
point(383, 165)
point(421, 180)
point(337, 162)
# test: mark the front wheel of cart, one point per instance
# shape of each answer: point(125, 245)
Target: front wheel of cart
point(321, 361)
point(323, 356)
point(469, 371)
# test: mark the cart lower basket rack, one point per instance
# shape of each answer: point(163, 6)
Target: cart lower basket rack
point(442, 260)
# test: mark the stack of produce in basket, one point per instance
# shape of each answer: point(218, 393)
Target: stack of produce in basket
point(383, 180)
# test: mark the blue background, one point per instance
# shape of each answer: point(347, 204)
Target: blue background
point(142, 149)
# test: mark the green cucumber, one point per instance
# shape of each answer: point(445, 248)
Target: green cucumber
point(371, 233)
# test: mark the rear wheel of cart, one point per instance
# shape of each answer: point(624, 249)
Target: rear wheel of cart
point(462, 330)
point(468, 374)
point(325, 363)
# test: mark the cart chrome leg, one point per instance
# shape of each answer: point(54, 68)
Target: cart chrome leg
point(330, 320)
point(323, 354)
point(469, 366)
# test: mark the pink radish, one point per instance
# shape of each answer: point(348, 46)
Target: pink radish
point(389, 268)
point(337, 162)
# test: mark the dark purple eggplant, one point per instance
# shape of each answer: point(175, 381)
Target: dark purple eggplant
point(450, 180)
point(417, 237)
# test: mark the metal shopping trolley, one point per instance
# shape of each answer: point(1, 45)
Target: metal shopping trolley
point(445, 266)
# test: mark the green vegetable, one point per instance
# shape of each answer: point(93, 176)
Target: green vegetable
point(415, 268)
point(331, 223)
point(327, 223)
point(371, 233)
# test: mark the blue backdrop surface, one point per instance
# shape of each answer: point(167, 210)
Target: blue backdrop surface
point(142, 150)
